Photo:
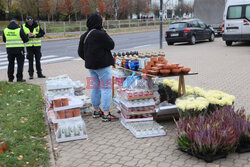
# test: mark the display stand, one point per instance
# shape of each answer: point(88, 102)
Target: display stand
point(181, 89)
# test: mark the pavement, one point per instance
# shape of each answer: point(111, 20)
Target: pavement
point(110, 144)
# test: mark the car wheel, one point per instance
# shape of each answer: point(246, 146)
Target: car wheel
point(229, 43)
point(212, 36)
point(170, 43)
point(193, 40)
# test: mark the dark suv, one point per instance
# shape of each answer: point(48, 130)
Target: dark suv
point(188, 31)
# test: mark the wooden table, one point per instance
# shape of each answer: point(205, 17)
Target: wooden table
point(181, 87)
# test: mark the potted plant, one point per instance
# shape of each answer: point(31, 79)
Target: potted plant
point(192, 105)
point(218, 99)
point(208, 138)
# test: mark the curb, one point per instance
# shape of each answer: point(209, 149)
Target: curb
point(49, 139)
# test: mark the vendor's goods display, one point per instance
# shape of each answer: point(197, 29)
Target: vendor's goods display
point(149, 63)
point(144, 129)
point(137, 104)
point(78, 88)
point(71, 130)
point(64, 108)
point(168, 89)
point(214, 136)
point(135, 94)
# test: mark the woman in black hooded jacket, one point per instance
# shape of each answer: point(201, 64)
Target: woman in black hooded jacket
point(95, 49)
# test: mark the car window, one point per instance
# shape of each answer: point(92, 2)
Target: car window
point(177, 25)
point(195, 23)
point(234, 12)
point(248, 12)
point(202, 25)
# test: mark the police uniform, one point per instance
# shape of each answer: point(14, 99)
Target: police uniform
point(14, 37)
point(33, 47)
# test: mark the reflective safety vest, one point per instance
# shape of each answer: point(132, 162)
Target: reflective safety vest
point(13, 38)
point(32, 41)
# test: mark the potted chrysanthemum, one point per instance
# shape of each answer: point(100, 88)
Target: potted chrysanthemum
point(192, 105)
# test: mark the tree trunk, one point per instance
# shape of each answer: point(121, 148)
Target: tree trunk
point(76, 16)
point(48, 17)
point(69, 18)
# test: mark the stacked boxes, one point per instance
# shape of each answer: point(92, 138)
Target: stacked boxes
point(64, 109)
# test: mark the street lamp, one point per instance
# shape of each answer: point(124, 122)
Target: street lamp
point(161, 21)
point(116, 9)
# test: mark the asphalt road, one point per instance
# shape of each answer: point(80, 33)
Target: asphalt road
point(65, 50)
point(122, 42)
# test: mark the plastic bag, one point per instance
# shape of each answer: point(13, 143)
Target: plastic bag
point(139, 83)
point(129, 81)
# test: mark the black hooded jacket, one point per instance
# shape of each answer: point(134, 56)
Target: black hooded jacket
point(23, 36)
point(31, 28)
point(97, 50)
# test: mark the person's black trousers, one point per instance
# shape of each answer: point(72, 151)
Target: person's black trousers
point(11, 67)
point(31, 52)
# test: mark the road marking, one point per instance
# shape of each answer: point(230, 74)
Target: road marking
point(5, 61)
point(42, 62)
point(1, 56)
point(2, 53)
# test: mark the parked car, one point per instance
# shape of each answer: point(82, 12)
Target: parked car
point(189, 31)
point(236, 25)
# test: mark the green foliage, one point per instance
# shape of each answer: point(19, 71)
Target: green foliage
point(22, 125)
point(184, 143)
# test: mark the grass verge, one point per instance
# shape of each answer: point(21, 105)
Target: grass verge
point(22, 125)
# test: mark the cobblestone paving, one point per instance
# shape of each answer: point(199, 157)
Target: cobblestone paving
point(110, 144)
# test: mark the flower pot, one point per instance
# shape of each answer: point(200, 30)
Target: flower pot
point(153, 59)
point(208, 159)
point(167, 66)
point(147, 67)
point(176, 71)
point(145, 71)
point(160, 66)
point(243, 148)
point(69, 113)
point(165, 72)
point(150, 64)
point(186, 70)
point(156, 69)
point(154, 72)
point(65, 101)
point(61, 114)
point(176, 65)
point(57, 103)
point(161, 58)
point(172, 66)
point(77, 112)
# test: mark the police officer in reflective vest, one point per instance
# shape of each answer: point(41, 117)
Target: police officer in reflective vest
point(14, 37)
point(34, 45)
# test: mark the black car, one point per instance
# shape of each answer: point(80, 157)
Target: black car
point(188, 31)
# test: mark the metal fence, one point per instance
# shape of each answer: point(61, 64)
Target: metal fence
point(74, 27)
point(79, 26)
